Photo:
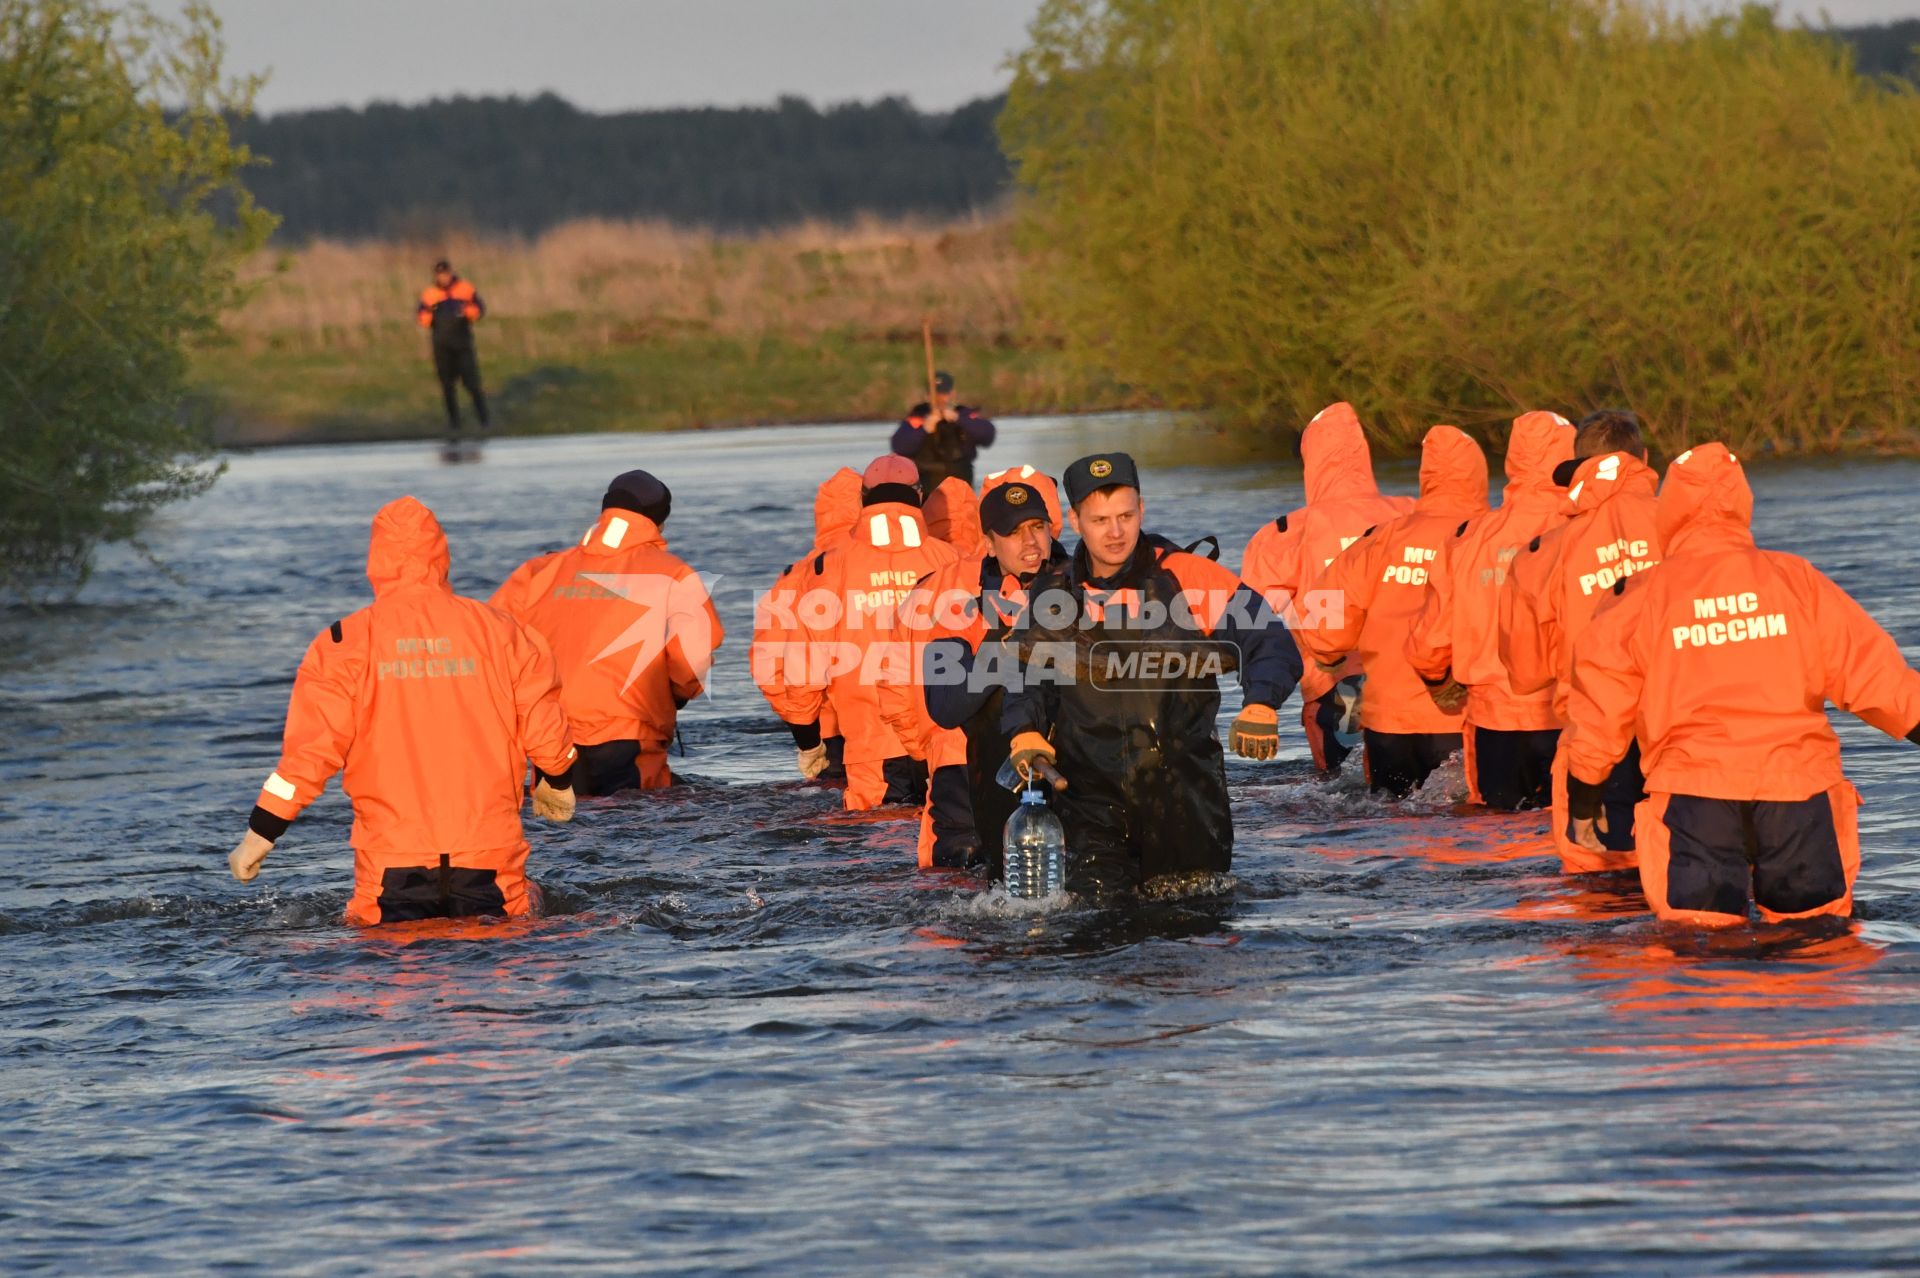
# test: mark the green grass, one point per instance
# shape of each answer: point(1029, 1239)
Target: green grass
point(539, 383)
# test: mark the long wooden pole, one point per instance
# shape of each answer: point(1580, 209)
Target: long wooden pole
point(926, 338)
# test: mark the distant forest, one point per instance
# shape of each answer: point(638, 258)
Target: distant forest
point(523, 165)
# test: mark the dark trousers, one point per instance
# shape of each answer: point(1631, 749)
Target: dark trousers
point(438, 892)
point(606, 768)
point(1512, 770)
point(458, 365)
point(1399, 762)
point(1710, 859)
point(956, 845)
point(906, 780)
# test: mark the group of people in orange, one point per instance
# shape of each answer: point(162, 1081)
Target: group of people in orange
point(1603, 645)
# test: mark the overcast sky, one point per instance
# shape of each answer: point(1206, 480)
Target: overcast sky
point(610, 55)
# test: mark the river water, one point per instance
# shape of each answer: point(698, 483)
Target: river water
point(752, 1039)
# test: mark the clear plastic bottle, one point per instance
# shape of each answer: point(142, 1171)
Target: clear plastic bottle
point(1035, 848)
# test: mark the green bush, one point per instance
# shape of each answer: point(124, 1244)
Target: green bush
point(1460, 209)
point(114, 156)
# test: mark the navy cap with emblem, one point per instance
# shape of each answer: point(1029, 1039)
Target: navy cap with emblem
point(1007, 506)
point(1101, 470)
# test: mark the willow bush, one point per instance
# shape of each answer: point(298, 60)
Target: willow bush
point(114, 158)
point(1457, 209)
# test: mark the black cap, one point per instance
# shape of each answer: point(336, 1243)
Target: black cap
point(943, 383)
point(641, 493)
point(1008, 506)
point(1102, 470)
point(1563, 473)
point(442, 265)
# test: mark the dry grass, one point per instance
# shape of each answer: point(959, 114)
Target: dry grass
point(597, 284)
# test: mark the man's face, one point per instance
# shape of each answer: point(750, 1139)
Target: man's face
point(443, 278)
point(1023, 550)
point(1109, 524)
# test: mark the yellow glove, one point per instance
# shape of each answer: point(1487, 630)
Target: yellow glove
point(554, 805)
point(246, 859)
point(812, 762)
point(1029, 750)
point(1256, 733)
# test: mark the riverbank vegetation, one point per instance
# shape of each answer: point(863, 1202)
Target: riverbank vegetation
point(634, 326)
point(114, 152)
point(1451, 209)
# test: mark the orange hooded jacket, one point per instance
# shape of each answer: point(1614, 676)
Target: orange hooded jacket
point(1379, 583)
point(836, 504)
point(1049, 491)
point(1458, 629)
point(953, 515)
point(849, 638)
point(1565, 574)
point(1722, 661)
point(429, 705)
point(1343, 500)
point(630, 626)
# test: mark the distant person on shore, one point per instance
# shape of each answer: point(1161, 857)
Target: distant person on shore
point(1288, 555)
point(448, 309)
point(1721, 661)
point(1120, 656)
point(429, 705)
point(943, 437)
point(632, 631)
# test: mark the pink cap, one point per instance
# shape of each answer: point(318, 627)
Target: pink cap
point(891, 469)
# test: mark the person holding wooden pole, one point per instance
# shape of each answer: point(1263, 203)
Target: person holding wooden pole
point(941, 436)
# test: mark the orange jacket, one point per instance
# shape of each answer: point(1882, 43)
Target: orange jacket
point(1566, 573)
point(460, 292)
point(953, 515)
point(1380, 581)
point(1049, 492)
point(630, 626)
point(1458, 629)
point(945, 604)
point(846, 637)
point(836, 504)
point(1721, 661)
point(429, 705)
point(1343, 501)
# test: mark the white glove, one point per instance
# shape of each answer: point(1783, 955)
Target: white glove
point(554, 805)
point(246, 859)
point(812, 762)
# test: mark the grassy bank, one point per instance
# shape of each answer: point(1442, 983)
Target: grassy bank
point(609, 326)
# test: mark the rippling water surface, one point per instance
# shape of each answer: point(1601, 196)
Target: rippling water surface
point(753, 1039)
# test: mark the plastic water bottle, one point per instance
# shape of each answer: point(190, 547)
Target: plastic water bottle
point(1035, 848)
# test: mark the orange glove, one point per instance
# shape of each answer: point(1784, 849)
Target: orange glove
point(1256, 733)
point(1030, 750)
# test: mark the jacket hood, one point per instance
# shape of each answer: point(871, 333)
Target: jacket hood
point(1598, 480)
point(1706, 488)
point(1538, 444)
point(953, 515)
point(891, 525)
point(1049, 491)
point(1453, 473)
point(619, 529)
point(1335, 455)
point(408, 548)
point(836, 505)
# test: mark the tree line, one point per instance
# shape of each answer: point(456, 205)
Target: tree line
point(522, 165)
point(1453, 210)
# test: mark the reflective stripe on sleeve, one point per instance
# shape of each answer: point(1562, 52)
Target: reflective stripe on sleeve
point(280, 788)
